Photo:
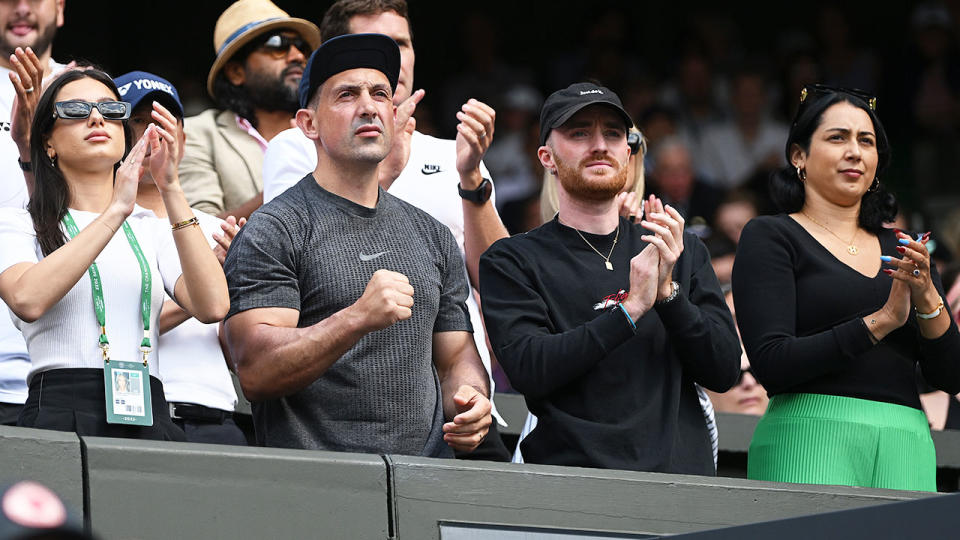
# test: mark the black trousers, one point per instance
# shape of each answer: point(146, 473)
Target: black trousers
point(203, 424)
point(9, 412)
point(73, 400)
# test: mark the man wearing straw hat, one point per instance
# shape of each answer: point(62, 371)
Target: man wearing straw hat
point(261, 53)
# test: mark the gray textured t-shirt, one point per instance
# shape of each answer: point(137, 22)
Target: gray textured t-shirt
point(314, 251)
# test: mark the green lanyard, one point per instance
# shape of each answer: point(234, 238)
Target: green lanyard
point(100, 308)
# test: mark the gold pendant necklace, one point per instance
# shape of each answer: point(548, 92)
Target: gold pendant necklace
point(606, 259)
point(851, 248)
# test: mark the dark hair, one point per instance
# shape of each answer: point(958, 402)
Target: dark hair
point(51, 194)
point(233, 97)
point(336, 21)
point(786, 189)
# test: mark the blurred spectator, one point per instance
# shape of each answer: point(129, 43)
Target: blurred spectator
point(693, 97)
point(484, 75)
point(511, 158)
point(932, 77)
point(261, 53)
point(34, 25)
point(845, 63)
point(748, 396)
point(738, 208)
point(673, 179)
point(751, 141)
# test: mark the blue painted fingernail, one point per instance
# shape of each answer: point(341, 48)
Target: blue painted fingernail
point(905, 241)
point(886, 258)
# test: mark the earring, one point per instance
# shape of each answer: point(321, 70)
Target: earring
point(801, 174)
point(53, 160)
point(875, 185)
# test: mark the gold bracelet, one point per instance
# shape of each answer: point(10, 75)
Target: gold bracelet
point(933, 314)
point(185, 223)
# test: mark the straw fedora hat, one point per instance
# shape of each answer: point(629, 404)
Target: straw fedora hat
point(243, 21)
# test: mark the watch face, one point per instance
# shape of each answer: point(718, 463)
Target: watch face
point(486, 189)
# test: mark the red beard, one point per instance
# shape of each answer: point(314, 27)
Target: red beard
point(591, 189)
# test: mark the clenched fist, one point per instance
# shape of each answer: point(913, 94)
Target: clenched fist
point(386, 300)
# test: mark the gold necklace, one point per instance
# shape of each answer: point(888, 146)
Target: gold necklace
point(606, 259)
point(851, 249)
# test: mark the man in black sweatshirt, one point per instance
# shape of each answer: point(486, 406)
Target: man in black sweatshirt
point(603, 325)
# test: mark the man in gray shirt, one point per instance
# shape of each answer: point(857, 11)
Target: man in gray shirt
point(347, 322)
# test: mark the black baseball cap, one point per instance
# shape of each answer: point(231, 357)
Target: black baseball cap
point(562, 104)
point(350, 51)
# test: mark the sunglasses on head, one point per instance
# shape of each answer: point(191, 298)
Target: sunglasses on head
point(278, 45)
point(76, 110)
point(811, 90)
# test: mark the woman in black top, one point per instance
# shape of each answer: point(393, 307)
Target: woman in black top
point(836, 311)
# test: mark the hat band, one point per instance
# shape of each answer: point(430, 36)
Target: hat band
point(241, 30)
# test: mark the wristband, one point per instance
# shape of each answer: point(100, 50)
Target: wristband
point(627, 315)
point(933, 314)
point(25, 166)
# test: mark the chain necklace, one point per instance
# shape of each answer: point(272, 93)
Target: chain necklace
point(606, 259)
point(851, 249)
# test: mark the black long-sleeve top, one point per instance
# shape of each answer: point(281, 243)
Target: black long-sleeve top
point(800, 312)
point(607, 395)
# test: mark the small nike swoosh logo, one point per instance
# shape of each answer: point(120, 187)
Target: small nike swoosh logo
point(430, 169)
point(366, 258)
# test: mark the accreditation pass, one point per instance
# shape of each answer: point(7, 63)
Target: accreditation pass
point(128, 393)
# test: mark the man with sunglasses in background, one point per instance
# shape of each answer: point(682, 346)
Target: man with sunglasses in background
point(261, 53)
point(27, 30)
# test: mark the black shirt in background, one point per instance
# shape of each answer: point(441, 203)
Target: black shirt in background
point(800, 312)
point(605, 395)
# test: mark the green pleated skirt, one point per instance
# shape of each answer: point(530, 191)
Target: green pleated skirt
point(820, 439)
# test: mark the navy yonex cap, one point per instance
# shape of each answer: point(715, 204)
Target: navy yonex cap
point(562, 104)
point(136, 86)
point(350, 51)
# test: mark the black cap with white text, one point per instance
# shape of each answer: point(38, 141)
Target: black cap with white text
point(562, 104)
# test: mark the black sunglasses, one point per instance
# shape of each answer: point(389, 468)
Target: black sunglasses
point(825, 90)
point(278, 45)
point(76, 110)
point(742, 372)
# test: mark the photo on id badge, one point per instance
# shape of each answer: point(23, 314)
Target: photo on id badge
point(127, 396)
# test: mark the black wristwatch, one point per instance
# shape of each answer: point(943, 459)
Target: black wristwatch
point(479, 195)
point(25, 166)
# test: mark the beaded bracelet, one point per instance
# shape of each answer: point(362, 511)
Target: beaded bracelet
point(185, 223)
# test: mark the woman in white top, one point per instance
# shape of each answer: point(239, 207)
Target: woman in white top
point(77, 266)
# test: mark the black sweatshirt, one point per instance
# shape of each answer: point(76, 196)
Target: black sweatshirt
point(800, 313)
point(607, 395)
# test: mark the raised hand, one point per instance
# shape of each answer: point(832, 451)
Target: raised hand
point(630, 206)
point(474, 135)
point(644, 271)
point(128, 177)
point(164, 156)
point(27, 79)
point(391, 167)
point(913, 268)
point(472, 421)
point(231, 226)
point(667, 226)
point(387, 299)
